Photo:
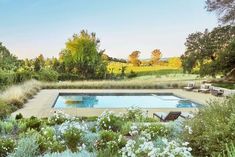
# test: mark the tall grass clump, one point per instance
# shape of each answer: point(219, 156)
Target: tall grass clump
point(115, 84)
point(212, 128)
point(17, 95)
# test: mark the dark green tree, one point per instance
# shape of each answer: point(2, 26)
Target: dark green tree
point(7, 60)
point(37, 65)
point(203, 49)
point(225, 9)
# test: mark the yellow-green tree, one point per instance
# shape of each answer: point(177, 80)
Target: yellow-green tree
point(155, 56)
point(134, 58)
point(174, 62)
point(82, 56)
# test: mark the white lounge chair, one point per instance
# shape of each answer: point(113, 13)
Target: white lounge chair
point(205, 88)
point(190, 86)
point(186, 115)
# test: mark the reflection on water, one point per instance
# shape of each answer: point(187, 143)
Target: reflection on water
point(80, 101)
point(184, 104)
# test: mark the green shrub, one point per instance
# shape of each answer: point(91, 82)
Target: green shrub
point(212, 128)
point(5, 109)
point(22, 76)
point(126, 127)
point(132, 74)
point(10, 78)
point(229, 152)
point(155, 130)
point(19, 116)
point(72, 137)
point(27, 146)
point(33, 123)
point(8, 126)
point(109, 121)
point(6, 78)
point(48, 142)
point(7, 145)
point(135, 114)
point(68, 76)
point(48, 75)
point(57, 118)
point(111, 141)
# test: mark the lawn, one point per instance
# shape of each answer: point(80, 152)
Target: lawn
point(157, 70)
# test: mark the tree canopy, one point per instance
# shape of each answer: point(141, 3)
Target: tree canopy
point(82, 56)
point(134, 58)
point(7, 60)
point(204, 50)
point(155, 56)
point(225, 9)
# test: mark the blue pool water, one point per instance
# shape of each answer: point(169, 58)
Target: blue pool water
point(121, 101)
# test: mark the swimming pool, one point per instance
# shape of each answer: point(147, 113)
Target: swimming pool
point(121, 100)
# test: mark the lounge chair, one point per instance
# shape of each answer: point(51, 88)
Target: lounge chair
point(186, 115)
point(217, 92)
point(167, 116)
point(205, 88)
point(190, 86)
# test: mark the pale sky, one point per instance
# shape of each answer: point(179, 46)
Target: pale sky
point(32, 27)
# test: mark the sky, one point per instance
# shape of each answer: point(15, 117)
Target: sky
point(32, 27)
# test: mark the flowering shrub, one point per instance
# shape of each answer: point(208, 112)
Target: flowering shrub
point(155, 130)
point(109, 140)
point(136, 114)
point(58, 117)
point(152, 149)
point(49, 142)
point(6, 146)
point(109, 121)
point(152, 130)
point(109, 135)
point(73, 124)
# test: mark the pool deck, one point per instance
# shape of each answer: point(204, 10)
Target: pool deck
point(41, 104)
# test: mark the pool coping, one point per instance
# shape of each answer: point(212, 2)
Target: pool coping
point(101, 94)
point(41, 104)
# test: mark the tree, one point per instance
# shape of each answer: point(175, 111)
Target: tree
point(7, 60)
point(134, 58)
point(37, 65)
point(226, 59)
point(174, 62)
point(225, 9)
point(82, 56)
point(155, 56)
point(204, 49)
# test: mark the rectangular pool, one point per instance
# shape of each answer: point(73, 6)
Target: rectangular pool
point(121, 100)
